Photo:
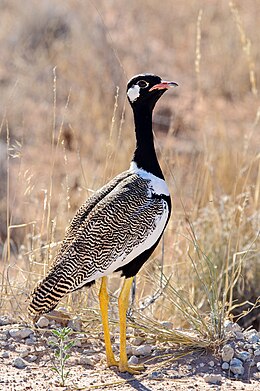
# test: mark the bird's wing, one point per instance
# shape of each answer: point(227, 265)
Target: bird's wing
point(86, 208)
point(123, 224)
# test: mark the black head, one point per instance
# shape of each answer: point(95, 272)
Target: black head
point(146, 89)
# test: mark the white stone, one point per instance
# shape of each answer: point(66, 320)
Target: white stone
point(87, 361)
point(19, 363)
point(230, 326)
point(225, 366)
point(5, 320)
point(236, 366)
point(42, 322)
point(257, 352)
point(20, 333)
point(212, 378)
point(167, 325)
point(227, 353)
point(137, 341)
point(143, 350)
point(243, 355)
point(133, 360)
point(211, 363)
point(258, 366)
point(32, 358)
point(22, 352)
point(75, 324)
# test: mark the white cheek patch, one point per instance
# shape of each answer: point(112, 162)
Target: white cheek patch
point(133, 93)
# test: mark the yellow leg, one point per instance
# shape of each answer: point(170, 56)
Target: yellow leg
point(123, 301)
point(103, 302)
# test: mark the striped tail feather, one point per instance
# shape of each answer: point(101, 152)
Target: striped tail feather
point(49, 292)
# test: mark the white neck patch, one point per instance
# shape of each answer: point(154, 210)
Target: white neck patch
point(157, 185)
point(133, 93)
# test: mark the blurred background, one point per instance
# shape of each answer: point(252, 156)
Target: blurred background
point(66, 129)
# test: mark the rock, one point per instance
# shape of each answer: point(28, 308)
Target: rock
point(257, 352)
point(155, 375)
point(20, 333)
point(202, 364)
point(230, 326)
point(3, 337)
point(137, 341)
point(236, 366)
point(32, 358)
point(133, 360)
point(253, 338)
point(5, 320)
point(75, 324)
point(77, 343)
point(22, 352)
point(243, 355)
point(258, 366)
point(60, 317)
point(143, 350)
point(212, 378)
point(19, 363)
point(30, 341)
point(5, 355)
point(87, 361)
point(225, 366)
point(52, 340)
point(167, 325)
point(227, 353)
point(239, 335)
point(211, 363)
point(42, 322)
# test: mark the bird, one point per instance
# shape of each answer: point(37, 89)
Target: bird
point(117, 228)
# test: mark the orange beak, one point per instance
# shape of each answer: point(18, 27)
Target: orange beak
point(164, 85)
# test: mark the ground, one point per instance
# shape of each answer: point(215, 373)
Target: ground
point(167, 367)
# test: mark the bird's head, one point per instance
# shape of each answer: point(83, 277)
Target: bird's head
point(146, 89)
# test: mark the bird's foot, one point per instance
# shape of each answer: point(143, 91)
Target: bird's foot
point(133, 369)
point(112, 362)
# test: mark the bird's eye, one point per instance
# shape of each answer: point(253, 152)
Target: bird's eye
point(142, 84)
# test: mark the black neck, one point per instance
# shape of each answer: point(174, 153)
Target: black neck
point(144, 155)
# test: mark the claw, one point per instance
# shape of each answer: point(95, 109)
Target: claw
point(133, 369)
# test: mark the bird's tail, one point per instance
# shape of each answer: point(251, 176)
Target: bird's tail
point(49, 292)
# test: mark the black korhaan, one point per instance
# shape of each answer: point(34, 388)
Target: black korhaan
point(118, 227)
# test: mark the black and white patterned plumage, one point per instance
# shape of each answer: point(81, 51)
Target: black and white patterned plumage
point(116, 229)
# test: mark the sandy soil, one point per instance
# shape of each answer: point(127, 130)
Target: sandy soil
point(165, 369)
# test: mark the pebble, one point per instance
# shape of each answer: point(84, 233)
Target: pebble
point(167, 325)
point(22, 352)
point(137, 341)
point(3, 337)
point(258, 366)
point(236, 366)
point(212, 378)
point(253, 338)
point(133, 360)
point(5, 355)
point(20, 333)
point(230, 326)
point(19, 363)
point(42, 322)
point(155, 375)
point(211, 363)
point(257, 352)
point(143, 350)
point(32, 358)
point(75, 324)
point(5, 320)
point(243, 355)
point(225, 366)
point(30, 341)
point(227, 353)
point(87, 361)
point(239, 335)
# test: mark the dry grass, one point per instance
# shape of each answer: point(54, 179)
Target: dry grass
point(67, 130)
